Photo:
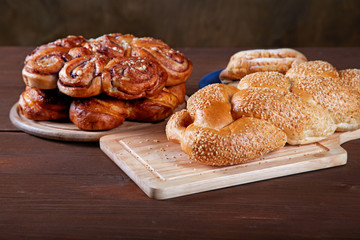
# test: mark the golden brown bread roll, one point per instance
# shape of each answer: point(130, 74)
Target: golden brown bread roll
point(243, 140)
point(36, 104)
point(272, 80)
point(177, 124)
point(133, 78)
point(102, 113)
point(42, 68)
point(179, 91)
point(111, 45)
point(177, 66)
point(43, 64)
point(81, 77)
point(227, 125)
point(98, 114)
point(211, 107)
point(213, 142)
point(313, 68)
point(351, 77)
point(70, 41)
point(320, 82)
point(157, 108)
point(301, 121)
point(79, 52)
point(260, 60)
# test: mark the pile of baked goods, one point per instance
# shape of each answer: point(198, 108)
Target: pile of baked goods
point(225, 125)
point(98, 83)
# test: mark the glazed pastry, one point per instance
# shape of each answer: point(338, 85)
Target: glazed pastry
point(98, 114)
point(81, 77)
point(103, 112)
point(111, 45)
point(158, 107)
point(70, 41)
point(79, 52)
point(43, 64)
point(179, 91)
point(42, 68)
point(133, 78)
point(175, 63)
point(313, 68)
point(36, 104)
point(260, 60)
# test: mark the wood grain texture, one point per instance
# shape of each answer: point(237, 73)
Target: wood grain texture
point(71, 190)
point(162, 170)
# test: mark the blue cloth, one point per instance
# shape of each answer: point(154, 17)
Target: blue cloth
point(210, 78)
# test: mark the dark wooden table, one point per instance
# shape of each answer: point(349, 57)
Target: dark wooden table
point(69, 190)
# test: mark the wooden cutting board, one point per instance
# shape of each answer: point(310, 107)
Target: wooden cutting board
point(162, 170)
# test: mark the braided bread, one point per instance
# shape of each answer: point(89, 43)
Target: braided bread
point(260, 60)
point(226, 125)
point(121, 72)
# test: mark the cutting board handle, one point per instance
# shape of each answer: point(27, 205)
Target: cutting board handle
point(348, 136)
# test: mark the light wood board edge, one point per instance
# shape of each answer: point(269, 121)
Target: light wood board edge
point(159, 189)
point(57, 131)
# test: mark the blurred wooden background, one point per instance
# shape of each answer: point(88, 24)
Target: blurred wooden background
point(187, 23)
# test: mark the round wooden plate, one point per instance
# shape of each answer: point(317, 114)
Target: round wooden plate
point(66, 130)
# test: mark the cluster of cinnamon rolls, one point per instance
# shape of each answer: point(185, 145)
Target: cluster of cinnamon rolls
point(98, 83)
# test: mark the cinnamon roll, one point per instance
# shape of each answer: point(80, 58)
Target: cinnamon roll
point(43, 65)
point(179, 91)
point(132, 78)
point(113, 77)
point(67, 42)
point(111, 45)
point(81, 77)
point(175, 63)
point(158, 107)
point(36, 104)
point(98, 114)
point(79, 52)
point(70, 41)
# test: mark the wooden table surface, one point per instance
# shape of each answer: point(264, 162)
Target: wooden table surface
point(70, 190)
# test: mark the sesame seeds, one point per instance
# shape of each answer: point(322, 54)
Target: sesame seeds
point(268, 110)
